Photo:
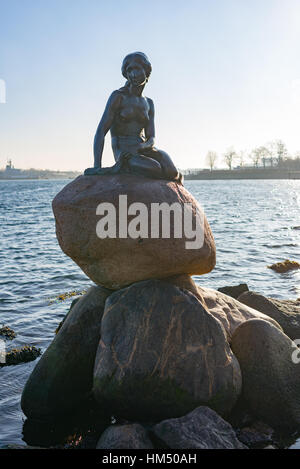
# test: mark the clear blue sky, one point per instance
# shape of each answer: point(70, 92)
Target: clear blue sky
point(225, 72)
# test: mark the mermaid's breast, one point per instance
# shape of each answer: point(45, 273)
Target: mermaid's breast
point(131, 113)
point(126, 114)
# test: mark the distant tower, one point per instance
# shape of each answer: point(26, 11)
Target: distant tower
point(9, 164)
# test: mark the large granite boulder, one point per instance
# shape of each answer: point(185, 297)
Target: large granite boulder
point(115, 262)
point(162, 354)
point(63, 376)
point(200, 429)
point(130, 436)
point(271, 373)
point(285, 312)
point(230, 312)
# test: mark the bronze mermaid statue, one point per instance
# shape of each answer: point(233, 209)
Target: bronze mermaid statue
point(130, 118)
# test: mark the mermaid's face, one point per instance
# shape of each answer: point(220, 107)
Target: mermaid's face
point(136, 74)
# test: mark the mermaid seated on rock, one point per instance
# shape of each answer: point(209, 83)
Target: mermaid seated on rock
point(130, 118)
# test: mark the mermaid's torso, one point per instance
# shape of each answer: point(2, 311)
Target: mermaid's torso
point(128, 143)
point(133, 124)
point(127, 130)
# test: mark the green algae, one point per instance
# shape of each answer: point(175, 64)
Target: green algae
point(25, 354)
point(7, 333)
point(65, 296)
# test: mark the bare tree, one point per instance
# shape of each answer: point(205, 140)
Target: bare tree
point(211, 159)
point(271, 146)
point(242, 156)
point(257, 155)
point(263, 153)
point(229, 157)
point(282, 151)
point(277, 151)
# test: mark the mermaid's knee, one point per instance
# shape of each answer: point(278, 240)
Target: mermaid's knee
point(148, 167)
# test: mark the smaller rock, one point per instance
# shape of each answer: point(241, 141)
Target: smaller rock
point(257, 435)
point(270, 371)
point(229, 311)
point(132, 436)
point(234, 291)
point(202, 428)
point(7, 333)
point(285, 266)
point(25, 354)
point(285, 312)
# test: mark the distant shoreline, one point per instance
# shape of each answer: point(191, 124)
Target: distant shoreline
point(37, 175)
point(252, 173)
point(37, 178)
point(216, 174)
point(10, 173)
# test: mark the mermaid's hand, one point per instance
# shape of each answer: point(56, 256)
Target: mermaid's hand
point(125, 155)
point(148, 145)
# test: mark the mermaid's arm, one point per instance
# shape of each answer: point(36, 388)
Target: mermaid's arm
point(150, 128)
point(104, 126)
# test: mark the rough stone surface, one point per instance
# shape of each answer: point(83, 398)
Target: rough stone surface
point(258, 435)
point(235, 291)
point(285, 312)
point(230, 312)
point(117, 262)
point(271, 381)
point(64, 374)
point(133, 436)
point(185, 282)
point(162, 354)
point(200, 429)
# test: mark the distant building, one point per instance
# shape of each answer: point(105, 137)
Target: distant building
point(12, 172)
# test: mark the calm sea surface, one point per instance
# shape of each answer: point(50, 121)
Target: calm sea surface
point(255, 223)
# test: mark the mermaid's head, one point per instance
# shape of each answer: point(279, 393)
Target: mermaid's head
point(136, 68)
